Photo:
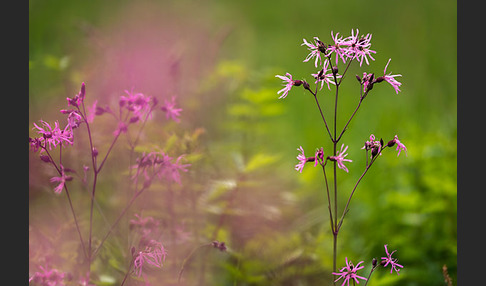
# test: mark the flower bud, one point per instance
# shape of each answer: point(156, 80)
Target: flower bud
point(45, 158)
point(334, 70)
point(297, 82)
point(374, 262)
point(380, 79)
point(134, 119)
point(374, 151)
point(82, 92)
point(99, 110)
point(306, 85)
point(94, 152)
point(358, 78)
point(391, 143)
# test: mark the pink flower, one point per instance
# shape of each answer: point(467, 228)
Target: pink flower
point(61, 180)
point(288, 84)
point(359, 47)
point(390, 260)
point(340, 158)
point(171, 111)
point(153, 254)
point(53, 136)
point(337, 48)
point(391, 79)
point(51, 277)
point(302, 160)
point(324, 77)
point(349, 272)
point(138, 103)
point(78, 99)
point(315, 50)
point(172, 171)
point(400, 145)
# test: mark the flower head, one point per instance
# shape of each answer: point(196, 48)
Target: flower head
point(315, 50)
point(288, 84)
point(400, 145)
point(325, 76)
point(52, 277)
point(339, 47)
point(390, 260)
point(340, 158)
point(153, 254)
point(349, 272)
point(302, 160)
point(391, 79)
point(171, 111)
point(359, 47)
point(53, 136)
point(137, 103)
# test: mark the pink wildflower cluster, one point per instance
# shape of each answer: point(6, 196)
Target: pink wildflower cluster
point(161, 165)
point(52, 277)
point(352, 47)
point(153, 254)
point(319, 158)
point(390, 260)
point(348, 273)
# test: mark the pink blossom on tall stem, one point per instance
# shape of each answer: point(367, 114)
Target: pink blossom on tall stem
point(62, 181)
point(359, 47)
point(349, 272)
point(302, 160)
point(52, 137)
point(340, 158)
point(390, 260)
point(78, 99)
point(325, 76)
point(288, 84)
point(315, 50)
point(153, 254)
point(400, 145)
point(52, 277)
point(391, 79)
point(170, 109)
point(138, 103)
point(337, 48)
point(172, 171)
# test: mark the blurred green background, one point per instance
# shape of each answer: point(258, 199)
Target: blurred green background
point(230, 52)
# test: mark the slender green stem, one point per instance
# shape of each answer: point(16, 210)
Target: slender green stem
point(186, 260)
point(128, 272)
point(70, 202)
point(369, 276)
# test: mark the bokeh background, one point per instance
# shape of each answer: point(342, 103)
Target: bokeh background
point(220, 58)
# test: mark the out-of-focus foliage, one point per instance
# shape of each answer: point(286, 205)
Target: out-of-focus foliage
point(242, 140)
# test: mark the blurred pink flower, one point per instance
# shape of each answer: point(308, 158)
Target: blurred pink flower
point(52, 137)
point(61, 180)
point(78, 99)
point(170, 110)
point(51, 277)
point(390, 260)
point(137, 103)
point(340, 158)
point(153, 254)
point(349, 272)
